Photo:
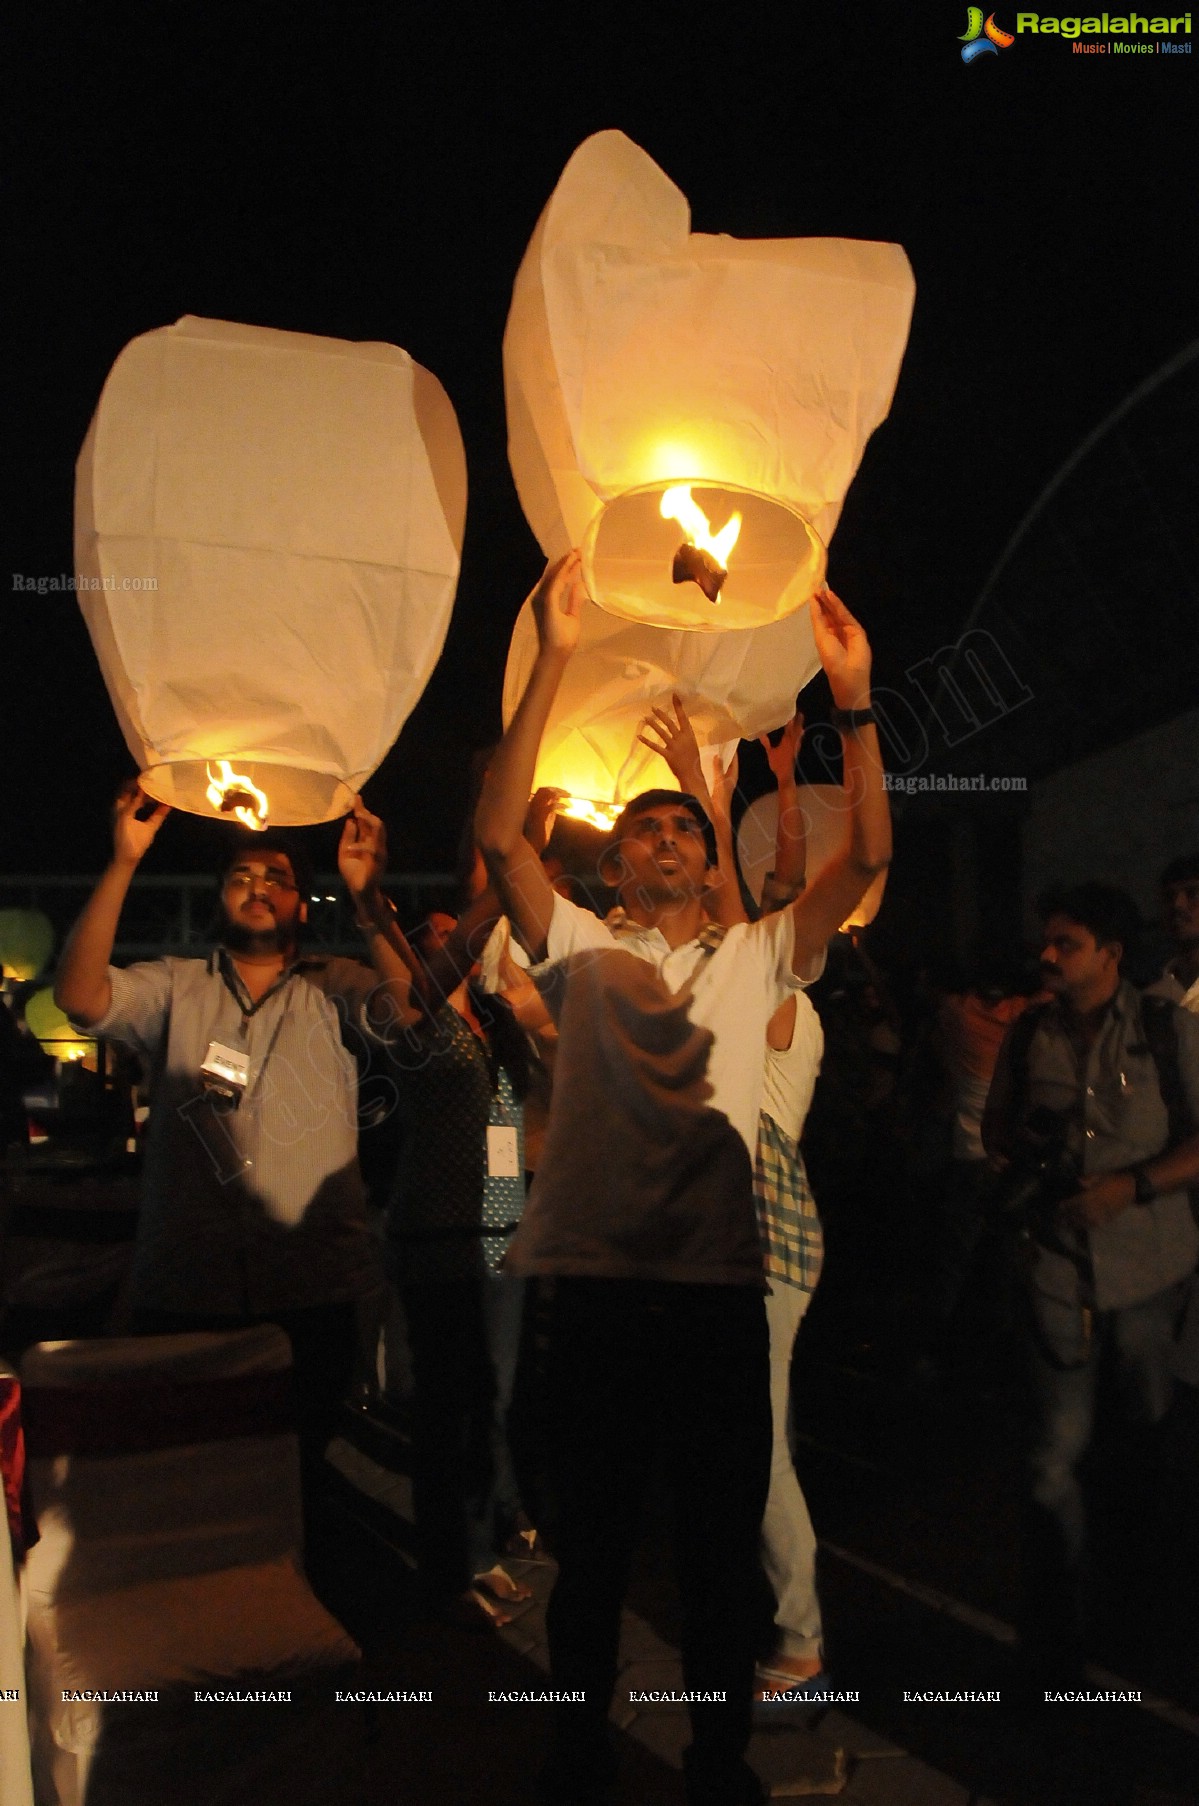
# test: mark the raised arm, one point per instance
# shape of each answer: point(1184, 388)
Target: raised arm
point(790, 872)
point(514, 866)
point(820, 910)
point(82, 988)
point(673, 738)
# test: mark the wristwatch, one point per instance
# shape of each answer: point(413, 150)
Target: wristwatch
point(1144, 1189)
point(852, 718)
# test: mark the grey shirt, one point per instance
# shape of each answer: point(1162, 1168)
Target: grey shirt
point(259, 1208)
point(1116, 1118)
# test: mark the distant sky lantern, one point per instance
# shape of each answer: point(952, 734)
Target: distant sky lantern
point(268, 528)
point(26, 943)
point(827, 826)
point(734, 686)
point(691, 409)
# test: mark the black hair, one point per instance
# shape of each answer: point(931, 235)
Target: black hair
point(245, 843)
point(661, 799)
point(1181, 870)
point(1103, 910)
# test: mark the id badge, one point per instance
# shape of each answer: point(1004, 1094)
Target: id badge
point(502, 1152)
point(225, 1071)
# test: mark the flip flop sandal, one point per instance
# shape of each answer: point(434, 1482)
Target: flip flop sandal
point(474, 1610)
point(501, 1585)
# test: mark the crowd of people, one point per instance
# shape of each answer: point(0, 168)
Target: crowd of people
point(602, 1120)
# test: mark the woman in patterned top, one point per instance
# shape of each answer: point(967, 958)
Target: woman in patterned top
point(458, 1196)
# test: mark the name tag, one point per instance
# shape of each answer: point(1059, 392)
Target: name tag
point(225, 1071)
point(502, 1152)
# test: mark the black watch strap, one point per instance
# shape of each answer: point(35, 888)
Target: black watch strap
point(1145, 1189)
point(852, 718)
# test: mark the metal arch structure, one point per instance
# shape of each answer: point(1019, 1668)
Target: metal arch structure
point(1091, 610)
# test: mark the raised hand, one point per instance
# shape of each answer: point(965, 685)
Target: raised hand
point(724, 787)
point(781, 757)
point(539, 819)
point(558, 604)
point(673, 738)
point(131, 838)
point(844, 650)
point(362, 850)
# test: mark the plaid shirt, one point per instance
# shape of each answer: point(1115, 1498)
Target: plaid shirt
point(792, 1239)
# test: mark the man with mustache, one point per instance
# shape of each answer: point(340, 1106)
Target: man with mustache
point(1079, 1089)
point(253, 1207)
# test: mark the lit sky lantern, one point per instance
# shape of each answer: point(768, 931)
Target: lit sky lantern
point(826, 816)
point(268, 529)
point(689, 408)
point(734, 686)
point(26, 943)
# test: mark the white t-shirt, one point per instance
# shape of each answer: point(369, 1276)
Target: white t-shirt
point(737, 990)
point(789, 1078)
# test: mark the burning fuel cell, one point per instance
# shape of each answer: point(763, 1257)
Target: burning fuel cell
point(648, 366)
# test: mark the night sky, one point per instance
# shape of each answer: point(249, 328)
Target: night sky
point(374, 172)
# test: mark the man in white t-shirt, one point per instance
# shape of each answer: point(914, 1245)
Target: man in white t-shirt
point(642, 1211)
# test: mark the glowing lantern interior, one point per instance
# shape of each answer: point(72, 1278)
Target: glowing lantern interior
point(773, 558)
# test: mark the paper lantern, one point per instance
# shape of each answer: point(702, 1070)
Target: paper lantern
point(660, 382)
point(827, 819)
point(48, 1025)
point(26, 943)
point(268, 532)
point(733, 687)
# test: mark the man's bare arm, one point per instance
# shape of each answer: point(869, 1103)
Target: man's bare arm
point(82, 988)
point(820, 910)
point(514, 866)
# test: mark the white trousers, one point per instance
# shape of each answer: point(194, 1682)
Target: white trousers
point(788, 1540)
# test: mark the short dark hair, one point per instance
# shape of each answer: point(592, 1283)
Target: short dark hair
point(661, 799)
point(1103, 910)
point(1181, 870)
point(247, 844)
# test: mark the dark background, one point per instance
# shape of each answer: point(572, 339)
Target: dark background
point(374, 172)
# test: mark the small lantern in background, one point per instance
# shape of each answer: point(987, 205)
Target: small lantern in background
point(691, 409)
point(734, 686)
point(49, 1026)
point(268, 530)
point(828, 828)
point(26, 943)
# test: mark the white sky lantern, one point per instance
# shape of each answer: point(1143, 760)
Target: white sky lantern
point(734, 686)
point(268, 533)
point(827, 822)
point(689, 408)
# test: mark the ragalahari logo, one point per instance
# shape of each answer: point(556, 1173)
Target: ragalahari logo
point(982, 38)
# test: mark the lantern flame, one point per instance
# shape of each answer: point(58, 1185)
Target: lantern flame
point(596, 815)
point(677, 504)
point(232, 794)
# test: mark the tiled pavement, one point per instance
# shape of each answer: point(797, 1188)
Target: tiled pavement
point(799, 1751)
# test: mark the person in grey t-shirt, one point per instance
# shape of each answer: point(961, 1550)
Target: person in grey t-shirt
point(253, 1206)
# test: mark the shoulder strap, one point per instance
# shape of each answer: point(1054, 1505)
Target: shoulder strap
point(1160, 1022)
point(1020, 1038)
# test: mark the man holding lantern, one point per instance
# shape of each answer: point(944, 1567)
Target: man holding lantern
point(253, 1207)
point(642, 1212)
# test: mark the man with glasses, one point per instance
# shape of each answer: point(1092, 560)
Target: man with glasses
point(253, 1207)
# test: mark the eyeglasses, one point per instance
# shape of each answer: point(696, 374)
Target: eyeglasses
point(242, 879)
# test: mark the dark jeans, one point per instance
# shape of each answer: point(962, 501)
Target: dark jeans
point(463, 1336)
point(1064, 1365)
point(640, 1374)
